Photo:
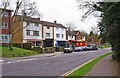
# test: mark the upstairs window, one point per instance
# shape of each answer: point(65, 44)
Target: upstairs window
point(5, 14)
point(47, 34)
point(4, 37)
point(28, 23)
point(36, 33)
point(62, 35)
point(28, 32)
point(79, 37)
point(58, 35)
point(4, 25)
point(48, 27)
point(36, 24)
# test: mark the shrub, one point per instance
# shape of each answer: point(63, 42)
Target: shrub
point(23, 45)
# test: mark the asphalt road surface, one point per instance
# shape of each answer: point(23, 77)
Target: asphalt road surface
point(50, 66)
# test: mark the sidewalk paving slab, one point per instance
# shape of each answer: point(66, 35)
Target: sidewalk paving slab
point(105, 67)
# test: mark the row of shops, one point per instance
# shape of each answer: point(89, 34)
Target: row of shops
point(51, 43)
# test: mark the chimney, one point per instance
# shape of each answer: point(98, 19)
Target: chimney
point(38, 18)
point(55, 22)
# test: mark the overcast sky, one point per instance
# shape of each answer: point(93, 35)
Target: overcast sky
point(64, 11)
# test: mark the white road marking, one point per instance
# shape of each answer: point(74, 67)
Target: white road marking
point(23, 60)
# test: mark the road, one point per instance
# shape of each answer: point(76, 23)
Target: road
point(50, 66)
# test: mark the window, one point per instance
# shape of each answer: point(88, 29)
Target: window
point(48, 27)
point(38, 44)
point(79, 37)
point(58, 35)
point(47, 34)
point(62, 35)
point(5, 14)
point(4, 25)
point(4, 37)
point(36, 24)
point(28, 23)
point(36, 33)
point(28, 32)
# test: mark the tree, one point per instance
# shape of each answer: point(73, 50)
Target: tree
point(71, 27)
point(84, 34)
point(94, 29)
point(21, 7)
point(109, 25)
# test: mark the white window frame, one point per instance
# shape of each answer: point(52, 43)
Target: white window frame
point(4, 26)
point(47, 34)
point(5, 14)
point(4, 37)
point(57, 35)
point(36, 24)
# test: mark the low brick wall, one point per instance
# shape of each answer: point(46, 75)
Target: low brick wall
point(50, 50)
point(5, 44)
point(58, 49)
point(37, 49)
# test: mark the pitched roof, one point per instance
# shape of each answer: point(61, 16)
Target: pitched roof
point(73, 33)
point(29, 19)
point(45, 23)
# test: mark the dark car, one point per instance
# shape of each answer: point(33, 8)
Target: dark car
point(90, 48)
point(94, 48)
point(87, 48)
point(68, 50)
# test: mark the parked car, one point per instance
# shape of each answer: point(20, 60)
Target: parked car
point(68, 50)
point(77, 49)
point(86, 48)
point(90, 47)
point(94, 48)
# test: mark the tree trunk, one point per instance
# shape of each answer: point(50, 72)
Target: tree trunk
point(11, 43)
point(118, 69)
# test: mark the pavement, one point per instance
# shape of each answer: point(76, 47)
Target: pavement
point(105, 67)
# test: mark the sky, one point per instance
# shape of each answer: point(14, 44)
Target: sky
point(64, 12)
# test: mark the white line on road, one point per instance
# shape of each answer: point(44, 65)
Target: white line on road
point(25, 60)
point(73, 70)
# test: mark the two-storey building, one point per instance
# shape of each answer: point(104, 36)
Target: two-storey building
point(75, 38)
point(28, 30)
point(47, 34)
point(59, 35)
point(5, 26)
point(54, 34)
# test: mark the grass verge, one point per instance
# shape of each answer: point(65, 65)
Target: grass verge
point(86, 68)
point(17, 52)
point(106, 46)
